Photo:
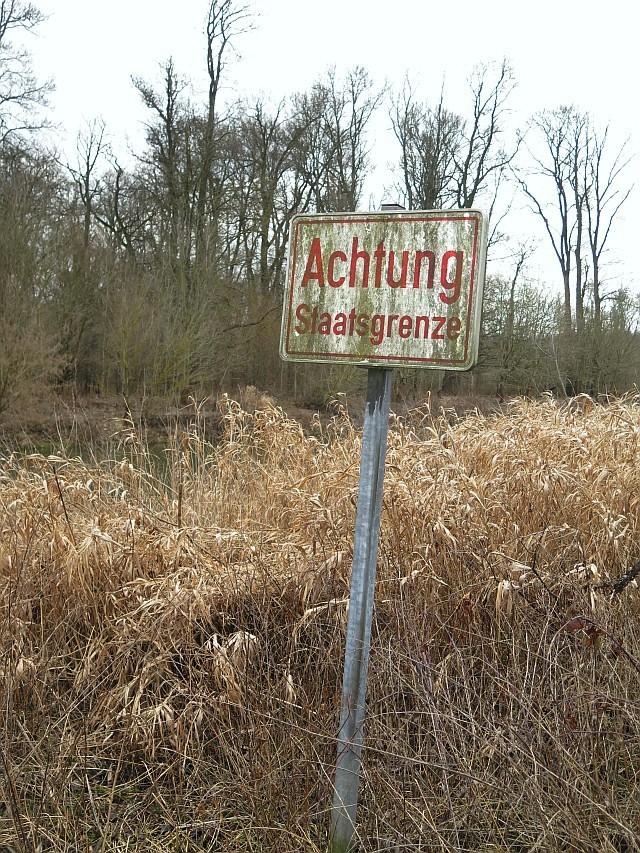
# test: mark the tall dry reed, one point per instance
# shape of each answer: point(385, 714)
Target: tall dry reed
point(171, 643)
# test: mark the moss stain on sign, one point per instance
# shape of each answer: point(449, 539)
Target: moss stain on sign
point(385, 288)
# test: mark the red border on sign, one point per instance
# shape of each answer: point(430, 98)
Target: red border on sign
point(395, 358)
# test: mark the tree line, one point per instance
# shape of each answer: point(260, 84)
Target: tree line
point(165, 275)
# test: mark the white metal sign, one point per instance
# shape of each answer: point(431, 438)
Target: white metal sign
point(385, 289)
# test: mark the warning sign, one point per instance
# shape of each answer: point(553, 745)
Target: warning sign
point(385, 288)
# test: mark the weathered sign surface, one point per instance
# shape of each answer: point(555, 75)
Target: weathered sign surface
point(385, 288)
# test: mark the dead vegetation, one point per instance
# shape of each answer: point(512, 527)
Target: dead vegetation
point(171, 652)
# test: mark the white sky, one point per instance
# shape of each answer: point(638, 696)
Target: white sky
point(562, 52)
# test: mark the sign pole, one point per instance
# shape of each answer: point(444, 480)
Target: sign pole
point(392, 288)
point(363, 577)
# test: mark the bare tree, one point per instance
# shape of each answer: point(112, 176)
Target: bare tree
point(332, 153)
point(21, 95)
point(350, 107)
point(274, 191)
point(80, 290)
point(519, 258)
point(428, 139)
point(227, 19)
point(91, 147)
point(31, 193)
point(587, 197)
point(314, 152)
point(554, 166)
point(602, 202)
point(579, 136)
point(446, 160)
point(125, 208)
point(167, 161)
point(481, 155)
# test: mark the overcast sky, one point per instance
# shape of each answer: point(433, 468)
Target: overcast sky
point(562, 52)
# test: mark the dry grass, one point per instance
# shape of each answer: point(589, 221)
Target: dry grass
point(171, 655)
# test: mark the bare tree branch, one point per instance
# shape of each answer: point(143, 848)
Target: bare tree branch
point(22, 97)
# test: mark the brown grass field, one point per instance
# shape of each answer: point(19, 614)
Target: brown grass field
point(171, 641)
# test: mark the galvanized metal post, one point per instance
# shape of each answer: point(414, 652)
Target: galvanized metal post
point(363, 578)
